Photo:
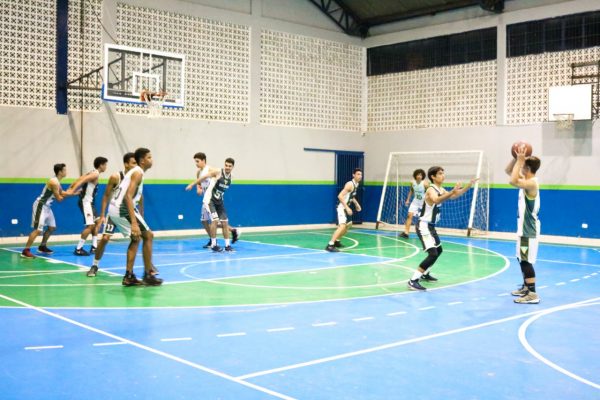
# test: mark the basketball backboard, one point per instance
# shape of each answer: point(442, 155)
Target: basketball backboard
point(575, 100)
point(129, 70)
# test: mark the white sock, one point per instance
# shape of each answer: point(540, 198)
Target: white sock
point(80, 244)
point(213, 241)
point(96, 262)
point(417, 275)
point(95, 241)
point(331, 243)
point(226, 242)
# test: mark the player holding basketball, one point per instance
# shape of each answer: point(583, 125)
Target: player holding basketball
point(87, 205)
point(129, 221)
point(346, 198)
point(109, 228)
point(42, 213)
point(201, 188)
point(417, 189)
point(522, 170)
point(429, 217)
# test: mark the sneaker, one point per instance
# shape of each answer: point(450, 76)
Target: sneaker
point(92, 272)
point(27, 254)
point(529, 298)
point(154, 270)
point(403, 235)
point(331, 248)
point(45, 250)
point(81, 252)
point(235, 235)
point(152, 280)
point(216, 248)
point(131, 280)
point(415, 285)
point(93, 250)
point(338, 244)
point(429, 278)
point(522, 291)
point(229, 249)
point(208, 245)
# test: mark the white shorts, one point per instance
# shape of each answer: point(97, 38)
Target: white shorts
point(123, 224)
point(527, 249)
point(415, 208)
point(89, 213)
point(42, 216)
point(428, 235)
point(205, 216)
point(108, 228)
point(343, 218)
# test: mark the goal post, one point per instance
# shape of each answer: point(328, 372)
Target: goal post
point(469, 214)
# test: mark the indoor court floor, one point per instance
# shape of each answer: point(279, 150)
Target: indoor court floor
point(282, 318)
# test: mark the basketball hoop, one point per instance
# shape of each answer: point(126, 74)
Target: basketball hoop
point(155, 108)
point(564, 121)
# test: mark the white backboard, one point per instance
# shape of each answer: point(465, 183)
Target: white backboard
point(576, 100)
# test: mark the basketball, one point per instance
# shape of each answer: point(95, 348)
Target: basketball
point(517, 145)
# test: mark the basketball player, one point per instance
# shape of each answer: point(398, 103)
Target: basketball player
point(129, 221)
point(108, 230)
point(87, 205)
point(346, 198)
point(417, 188)
point(42, 214)
point(220, 180)
point(522, 172)
point(430, 215)
point(148, 95)
point(201, 187)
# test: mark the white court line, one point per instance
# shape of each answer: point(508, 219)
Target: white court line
point(393, 314)
point(41, 273)
point(570, 263)
point(324, 324)
point(531, 350)
point(152, 350)
point(43, 347)
point(561, 283)
point(455, 303)
point(231, 334)
point(109, 344)
point(362, 319)
point(542, 287)
point(426, 308)
point(179, 339)
point(289, 328)
point(345, 237)
point(575, 280)
point(397, 344)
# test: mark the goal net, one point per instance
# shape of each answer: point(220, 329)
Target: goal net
point(468, 214)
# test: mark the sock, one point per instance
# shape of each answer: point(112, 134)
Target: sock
point(226, 242)
point(530, 287)
point(416, 276)
point(331, 243)
point(213, 241)
point(94, 241)
point(95, 263)
point(80, 244)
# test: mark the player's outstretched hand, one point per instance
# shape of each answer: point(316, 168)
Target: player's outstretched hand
point(189, 187)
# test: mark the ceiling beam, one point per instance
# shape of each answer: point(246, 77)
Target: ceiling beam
point(343, 17)
point(431, 10)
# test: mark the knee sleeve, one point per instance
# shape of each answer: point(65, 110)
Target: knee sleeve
point(432, 255)
point(439, 251)
point(527, 270)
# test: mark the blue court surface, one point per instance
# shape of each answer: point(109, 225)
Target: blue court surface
point(283, 319)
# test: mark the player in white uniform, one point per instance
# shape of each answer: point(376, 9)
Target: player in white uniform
point(346, 198)
point(87, 205)
point(417, 191)
point(522, 172)
point(202, 186)
point(109, 228)
point(129, 221)
point(430, 215)
point(42, 214)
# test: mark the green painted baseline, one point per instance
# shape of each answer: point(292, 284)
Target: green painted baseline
point(51, 284)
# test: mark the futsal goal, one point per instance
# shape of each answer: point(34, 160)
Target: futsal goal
point(469, 214)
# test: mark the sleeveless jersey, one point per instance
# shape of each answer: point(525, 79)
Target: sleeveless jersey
point(206, 182)
point(418, 192)
point(89, 190)
point(117, 202)
point(431, 214)
point(528, 224)
point(47, 196)
point(218, 187)
point(349, 196)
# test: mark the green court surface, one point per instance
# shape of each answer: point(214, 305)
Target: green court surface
point(373, 265)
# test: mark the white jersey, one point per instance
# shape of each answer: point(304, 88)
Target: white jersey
point(46, 198)
point(418, 193)
point(432, 213)
point(205, 182)
point(528, 223)
point(117, 203)
point(89, 189)
point(348, 197)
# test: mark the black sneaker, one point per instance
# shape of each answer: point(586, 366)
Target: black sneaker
point(403, 235)
point(229, 249)
point(45, 250)
point(154, 270)
point(152, 280)
point(338, 244)
point(235, 235)
point(429, 278)
point(216, 248)
point(93, 271)
point(208, 245)
point(81, 252)
point(415, 285)
point(331, 248)
point(93, 250)
point(131, 280)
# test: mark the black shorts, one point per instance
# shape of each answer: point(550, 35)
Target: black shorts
point(217, 211)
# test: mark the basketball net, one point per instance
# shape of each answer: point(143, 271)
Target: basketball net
point(564, 121)
point(154, 108)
